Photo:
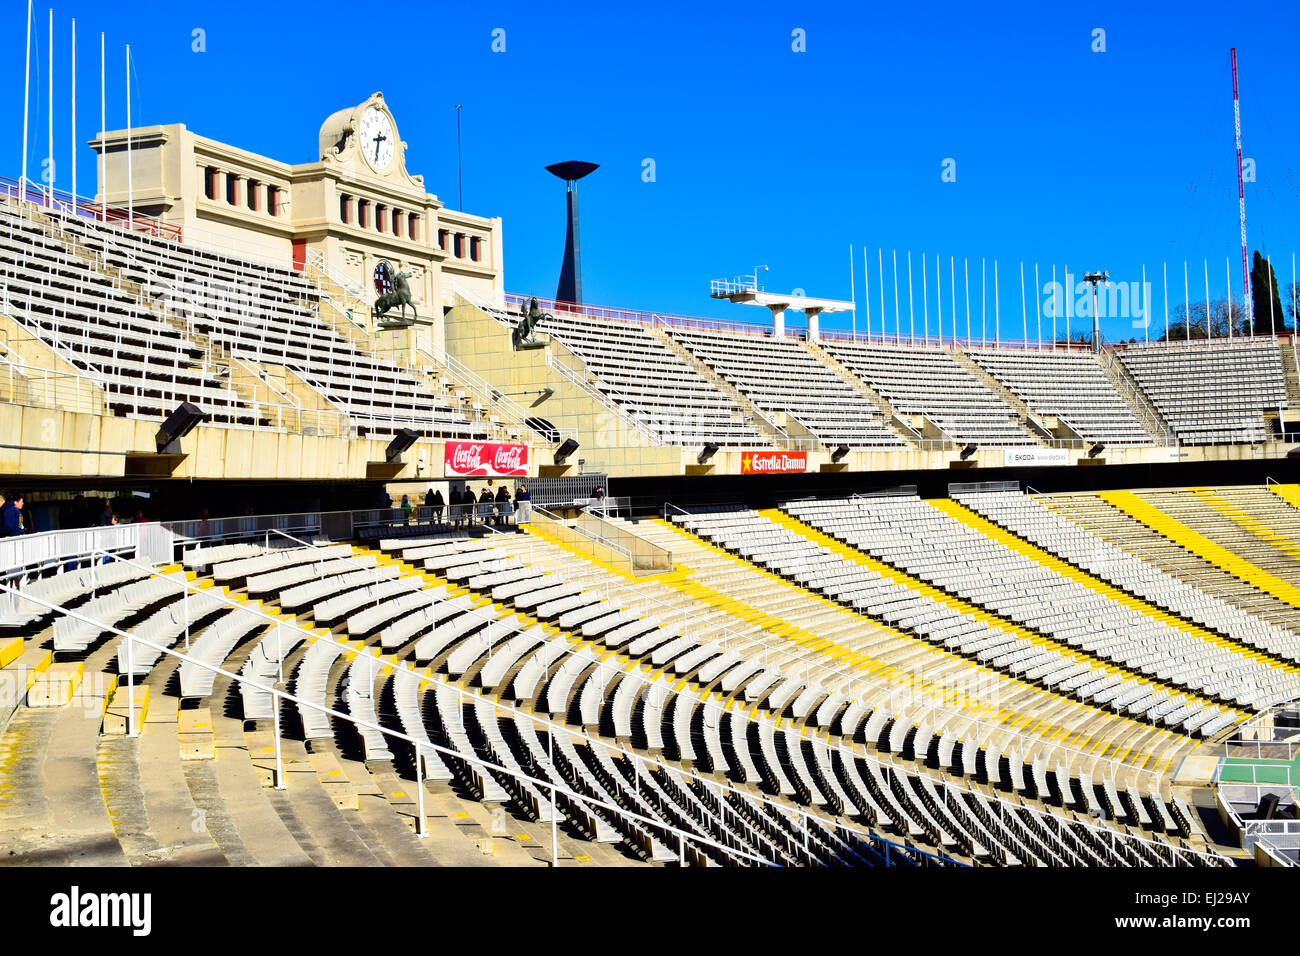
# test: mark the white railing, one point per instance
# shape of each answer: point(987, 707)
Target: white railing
point(493, 402)
point(354, 308)
point(30, 553)
point(1155, 422)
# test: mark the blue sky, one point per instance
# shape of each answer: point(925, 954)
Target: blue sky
point(761, 154)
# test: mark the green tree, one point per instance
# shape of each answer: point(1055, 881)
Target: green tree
point(1267, 307)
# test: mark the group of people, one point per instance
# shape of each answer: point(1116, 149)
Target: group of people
point(97, 513)
point(464, 507)
point(487, 507)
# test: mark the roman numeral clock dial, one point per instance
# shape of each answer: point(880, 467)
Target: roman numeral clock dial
point(376, 139)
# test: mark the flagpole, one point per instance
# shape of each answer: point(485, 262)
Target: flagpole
point(1209, 330)
point(1164, 267)
point(952, 300)
point(101, 160)
point(925, 304)
point(853, 294)
point(965, 264)
point(1227, 268)
point(49, 171)
point(1024, 311)
point(74, 116)
point(897, 330)
point(997, 313)
point(1272, 323)
point(984, 303)
point(911, 312)
point(880, 260)
point(938, 296)
point(130, 204)
point(1056, 307)
point(27, 83)
point(1146, 308)
point(866, 291)
point(1038, 307)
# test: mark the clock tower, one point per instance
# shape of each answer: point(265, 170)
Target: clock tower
point(364, 139)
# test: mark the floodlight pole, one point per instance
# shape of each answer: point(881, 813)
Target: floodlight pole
point(1092, 278)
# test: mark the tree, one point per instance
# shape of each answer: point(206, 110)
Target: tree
point(1267, 307)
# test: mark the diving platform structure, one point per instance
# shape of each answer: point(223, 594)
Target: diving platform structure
point(746, 291)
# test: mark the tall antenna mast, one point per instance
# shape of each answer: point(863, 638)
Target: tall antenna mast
point(1241, 199)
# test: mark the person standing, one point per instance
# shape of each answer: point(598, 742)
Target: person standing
point(523, 505)
point(435, 502)
point(504, 508)
point(11, 516)
point(484, 504)
point(106, 516)
point(406, 509)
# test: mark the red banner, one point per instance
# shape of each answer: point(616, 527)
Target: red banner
point(478, 459)
point(773, 462)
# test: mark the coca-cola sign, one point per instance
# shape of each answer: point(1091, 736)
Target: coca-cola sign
point(484, 459)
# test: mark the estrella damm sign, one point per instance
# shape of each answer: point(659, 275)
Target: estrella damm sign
point(773, 462)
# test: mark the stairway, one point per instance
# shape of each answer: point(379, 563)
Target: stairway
point(891, 418)
point(1133, 396)
point(756, 419)
point(1025, 414)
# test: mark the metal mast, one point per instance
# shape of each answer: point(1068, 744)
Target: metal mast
point(1241, 199)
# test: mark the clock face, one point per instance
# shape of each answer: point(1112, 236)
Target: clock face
point(377, 139)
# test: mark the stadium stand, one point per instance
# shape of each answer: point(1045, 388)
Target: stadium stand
point(815, 802)
point(994, 678)
point(152, 322)
point(929, 381)
point(1120, 528)
point(1216, 395)
point(785, 379)
point(1068, 385)
point(656, 387)
point(942, 547)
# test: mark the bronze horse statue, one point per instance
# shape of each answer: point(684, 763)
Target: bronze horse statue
point(394, 291)
point(521, 336)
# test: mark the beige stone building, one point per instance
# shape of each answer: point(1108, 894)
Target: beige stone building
point(337, 216)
